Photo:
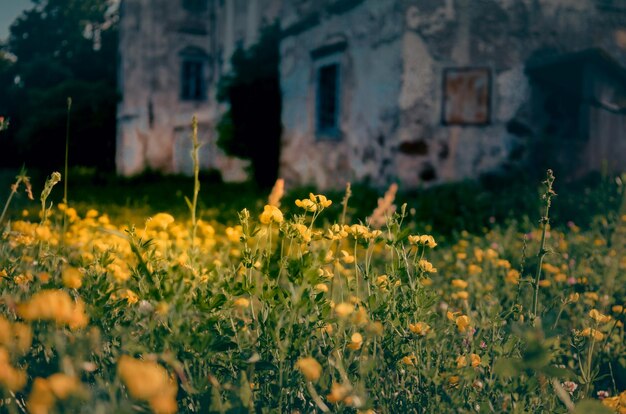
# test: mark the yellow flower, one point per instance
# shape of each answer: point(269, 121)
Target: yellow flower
point(475, 360)
point(41, 398)
point(241, 303)
point(617, 309)
point(474, 269)
point(598, 317)
point(347, 257)
point(130, 296)
point(62, 385)
point(423, 240)
point(72, 278)
point(307, 205)
point(459, 283)
point(461, 361)
point(463, 295)
point(512, 276)
point(544, 283)
point(320, 200)
point(160, 221)
point(409, 360)
point(337, 393)
point(425, 266)
point(344, 309)
point(310, 368)
point(356, 341)
point(149, 381)
point(321, 287)
point(463, 323)
point(54, 305)
point(420, 328)
point(573, 297)
point(452, 315)
point(271, 214)
point(595, 334)
point(12, 378)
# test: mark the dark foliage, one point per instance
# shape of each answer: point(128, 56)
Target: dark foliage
point(251, 128)
point(61, 49)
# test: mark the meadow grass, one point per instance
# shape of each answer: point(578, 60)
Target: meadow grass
point(302, 304)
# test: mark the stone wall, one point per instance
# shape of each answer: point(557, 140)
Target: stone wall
point(392, 69)
point(402, 108)
point(153, 121)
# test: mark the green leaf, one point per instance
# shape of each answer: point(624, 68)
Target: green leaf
point(508, 367)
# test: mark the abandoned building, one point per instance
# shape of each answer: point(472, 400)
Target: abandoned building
point(416, 91)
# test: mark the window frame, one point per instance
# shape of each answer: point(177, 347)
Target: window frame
point(193, 56)
point(321, 98)
point(326, 56)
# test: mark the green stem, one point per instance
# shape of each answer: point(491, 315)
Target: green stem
point(545, 221)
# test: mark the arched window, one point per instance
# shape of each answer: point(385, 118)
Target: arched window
point(193, 74)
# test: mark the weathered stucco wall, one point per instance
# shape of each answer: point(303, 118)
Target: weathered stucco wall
point(393, 55)
point(153, 121)
point(370, 81)
point(393, 83)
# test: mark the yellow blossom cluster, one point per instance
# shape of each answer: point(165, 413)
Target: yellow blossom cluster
point(47, 391)
point(149, 381)
point(54, 305)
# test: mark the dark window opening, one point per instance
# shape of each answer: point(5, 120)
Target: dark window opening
point(192, 85)
point(328, 99)
point(195, 5)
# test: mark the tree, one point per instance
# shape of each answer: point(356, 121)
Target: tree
point(251, 128)
point(61, 49)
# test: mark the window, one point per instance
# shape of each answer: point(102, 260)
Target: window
point(328, 100)
point(195, 6)
point(192, 82)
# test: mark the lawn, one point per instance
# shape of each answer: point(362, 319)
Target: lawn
point(491, 296)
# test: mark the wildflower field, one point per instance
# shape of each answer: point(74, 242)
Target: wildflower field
point(305, 308)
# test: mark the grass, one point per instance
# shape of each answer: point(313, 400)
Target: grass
point(260, 308)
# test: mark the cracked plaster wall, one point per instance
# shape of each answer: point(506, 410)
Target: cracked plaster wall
point(391, 85)
point(153, 121)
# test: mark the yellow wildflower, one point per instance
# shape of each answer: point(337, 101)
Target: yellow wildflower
point(12, 378)
point(55, 305)
point(512, 276)
point(160, 221)
point(310, 368)
point(356, 341)
point(344, 309)
point(598, 317)
point(475, 360)
point(595, 334)
point(271, 214)
point(461, 361)
point(148, 381)
point(420, 328)
point(241, 303)
point(307, 205)
point(463, 323)
point(337, 393)
point(459, 283)
point(72, 278)
point(425, 266)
